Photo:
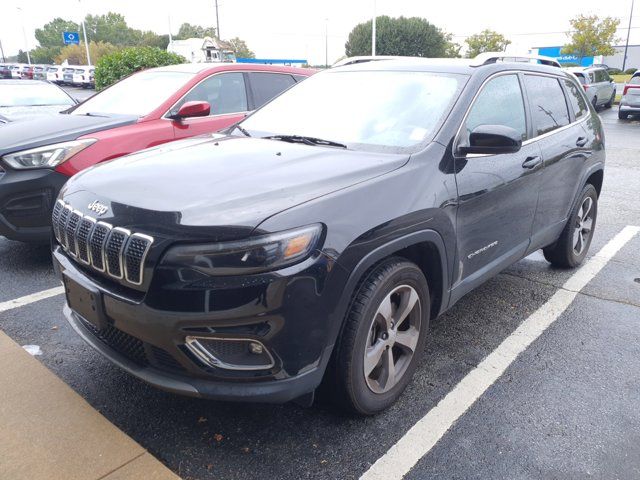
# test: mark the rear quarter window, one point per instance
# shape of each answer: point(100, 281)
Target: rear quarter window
point(547, 103)
point(576, 99)
point(266, 86)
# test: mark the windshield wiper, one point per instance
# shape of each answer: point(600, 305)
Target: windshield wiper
point(306, 140)
point(242, 129)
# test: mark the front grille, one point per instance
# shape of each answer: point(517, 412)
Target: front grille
point(113, 250)
point(123, 343)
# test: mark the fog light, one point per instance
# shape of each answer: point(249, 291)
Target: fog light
point(230, 353)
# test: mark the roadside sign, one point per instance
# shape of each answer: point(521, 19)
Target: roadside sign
point(71, 38)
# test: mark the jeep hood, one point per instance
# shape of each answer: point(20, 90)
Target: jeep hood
point(217, 181)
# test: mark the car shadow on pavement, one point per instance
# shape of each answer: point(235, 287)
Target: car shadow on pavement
point(23, 256)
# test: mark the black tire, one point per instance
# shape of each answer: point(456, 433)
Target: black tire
point(352, 390)
point(564, 253)
point(609, 104)
point(622, 115)
point(594, 102)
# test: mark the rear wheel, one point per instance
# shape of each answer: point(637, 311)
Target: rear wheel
point(383, 337)
point(622, 115)
point(573, 244)
point(594, 102)
point(609, 104)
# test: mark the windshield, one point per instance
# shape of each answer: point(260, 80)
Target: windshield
point(361, 108)
point(138, 94)
point(12, 95)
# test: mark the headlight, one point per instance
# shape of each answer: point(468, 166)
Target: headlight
point(48, 156)
point(258, 254)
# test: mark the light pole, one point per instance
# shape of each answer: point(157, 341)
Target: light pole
point(373, 30)
point(86, 45)
point(2, 51)
point(626, 46)
point(326, 43)
point(217, 23)
point(24, 36)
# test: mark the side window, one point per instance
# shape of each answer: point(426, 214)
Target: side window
point(265, 86)
point(547, 102)
point(225, 93)
point(605, 76)
point(576, 99)
point(499, 103)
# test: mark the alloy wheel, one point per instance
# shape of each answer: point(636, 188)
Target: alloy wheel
point(584, 226)
point(392, 339)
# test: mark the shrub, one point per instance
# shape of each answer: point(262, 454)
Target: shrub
point(118, 65)
point(615, 71)
point(630, 71)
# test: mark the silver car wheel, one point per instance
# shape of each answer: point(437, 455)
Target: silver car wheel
point(584, 226)
point(392, 339)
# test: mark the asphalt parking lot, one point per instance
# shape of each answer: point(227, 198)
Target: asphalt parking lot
point(567, 407)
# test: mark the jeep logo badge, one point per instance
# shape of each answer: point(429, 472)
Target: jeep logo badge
point(98, 207)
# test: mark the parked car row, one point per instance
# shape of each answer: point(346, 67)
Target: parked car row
point(76, 75)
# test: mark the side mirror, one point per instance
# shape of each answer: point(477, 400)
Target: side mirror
point(492, 140)
point(192, 109)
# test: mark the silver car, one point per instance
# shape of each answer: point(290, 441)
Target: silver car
point(630, 101)
point(597, 84)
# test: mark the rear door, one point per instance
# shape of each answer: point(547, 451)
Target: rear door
point(558, 112)
point(497, 193)
point(226, 93)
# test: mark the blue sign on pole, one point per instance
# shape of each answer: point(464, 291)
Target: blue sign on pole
point(71, 38)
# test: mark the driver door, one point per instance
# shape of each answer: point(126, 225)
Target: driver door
point(498, 194)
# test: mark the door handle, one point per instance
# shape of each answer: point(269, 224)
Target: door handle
point(581, 142)
point(531, 162)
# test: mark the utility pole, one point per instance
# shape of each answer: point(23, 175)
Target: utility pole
point(373, 30)
point(626, 46)
point(2, 51)
point(24, 36)
point(86, 45)
point(217, 23)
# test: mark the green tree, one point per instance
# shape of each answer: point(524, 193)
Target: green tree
point(486, 41)
point(45, 55)
point(152, 39)
point(240, 48)
point(591, 36)
point(414, 37)
point(50, 35)
point(115, 66)
point(453, 48)
point(22, 57)
point(76, 54)
point(194, 31)
point(112, 28)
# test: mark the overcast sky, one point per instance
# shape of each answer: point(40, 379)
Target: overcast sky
point(296, 28)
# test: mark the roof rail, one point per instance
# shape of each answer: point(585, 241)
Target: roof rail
point(493, 57)
point(363, 59)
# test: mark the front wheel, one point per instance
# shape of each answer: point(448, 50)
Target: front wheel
point(383, 337)
point(622, 115)
point(573, 244)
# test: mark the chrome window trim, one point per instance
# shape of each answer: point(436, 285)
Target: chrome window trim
point(127, 234)
point(529, 140)
point(109, 227)
point(209, 360)
point(142, 259)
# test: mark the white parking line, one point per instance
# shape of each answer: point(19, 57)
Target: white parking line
point(27, 299)
point(421, 438)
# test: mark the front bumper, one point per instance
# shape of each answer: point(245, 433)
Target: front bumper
point(26, 202)
point(149, 342)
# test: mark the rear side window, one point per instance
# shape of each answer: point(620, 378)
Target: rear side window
point(499, 103)
point(635, 80)
point(547, 102)
point(265, 86)
point(576, 99)
point(225, 92)
point(581, 78)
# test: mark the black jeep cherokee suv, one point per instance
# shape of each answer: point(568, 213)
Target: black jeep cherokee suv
point(317, 239)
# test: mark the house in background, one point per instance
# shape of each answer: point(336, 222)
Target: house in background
point(203, 50)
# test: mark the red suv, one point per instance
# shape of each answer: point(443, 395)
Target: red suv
point(148, 108)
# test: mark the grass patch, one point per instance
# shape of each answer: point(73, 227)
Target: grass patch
point(622, 78)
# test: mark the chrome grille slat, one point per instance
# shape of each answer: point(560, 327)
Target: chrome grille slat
point(115, 251)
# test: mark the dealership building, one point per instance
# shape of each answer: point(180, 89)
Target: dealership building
point(613, 61)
